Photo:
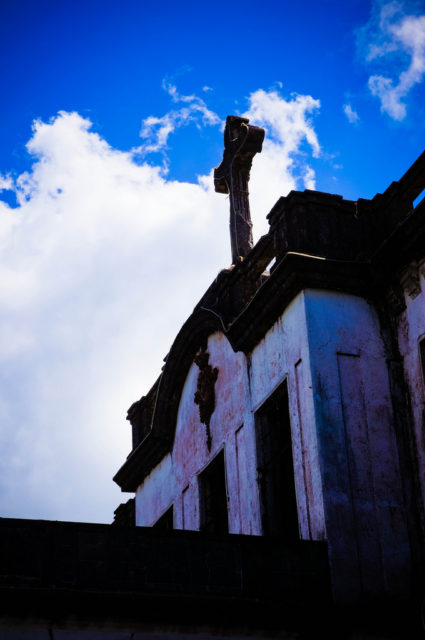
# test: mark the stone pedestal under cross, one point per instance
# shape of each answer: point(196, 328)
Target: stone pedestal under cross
point(241, 142)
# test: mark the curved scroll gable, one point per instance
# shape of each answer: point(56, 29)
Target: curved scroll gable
point(192, 338)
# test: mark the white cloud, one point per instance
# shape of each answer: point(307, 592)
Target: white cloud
point(157, 130)
point(392, 34)
point(93, 269)
point(102, 261)
point(282, 165)
point(352, 115)
point(6, 183)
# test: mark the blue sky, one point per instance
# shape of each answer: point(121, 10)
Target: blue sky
point(110, 230)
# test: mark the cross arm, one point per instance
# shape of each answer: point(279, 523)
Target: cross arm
point(241, 142)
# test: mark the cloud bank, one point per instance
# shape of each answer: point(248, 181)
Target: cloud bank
point(101, 261)
point(397, 38)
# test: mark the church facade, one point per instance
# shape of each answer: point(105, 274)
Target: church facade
point(291, 403)
point(289, 414)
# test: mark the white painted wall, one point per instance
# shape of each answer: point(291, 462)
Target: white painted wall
point(190, 455)
point(363, 500)
point(328, 346)
point(284, 353)
point(156, 494)
point(241, 387)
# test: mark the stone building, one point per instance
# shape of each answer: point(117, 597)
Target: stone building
point(291, 402)
point(289, 413)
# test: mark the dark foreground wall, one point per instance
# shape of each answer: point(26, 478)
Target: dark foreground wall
point(77, 575)
point(78, 581)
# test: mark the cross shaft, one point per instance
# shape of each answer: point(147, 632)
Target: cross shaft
point(241, 142)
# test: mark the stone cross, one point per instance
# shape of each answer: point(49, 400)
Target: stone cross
point(241, 142)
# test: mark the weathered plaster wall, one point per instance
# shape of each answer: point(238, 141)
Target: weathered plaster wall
point(363, 500)
point(190, 451)
point(241, 388)
point(411, 330)
point(179, 471)
point(156, 494)
point(328, 347)
point(283, 353)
